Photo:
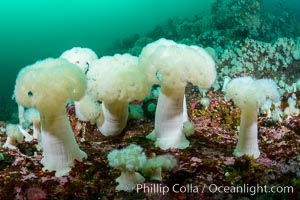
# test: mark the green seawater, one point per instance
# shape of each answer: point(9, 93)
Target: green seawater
point(32, 30)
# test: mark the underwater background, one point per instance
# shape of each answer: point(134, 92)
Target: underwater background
point(33, 30)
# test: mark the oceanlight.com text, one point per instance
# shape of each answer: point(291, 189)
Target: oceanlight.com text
point(249, 189)
point(213, 188)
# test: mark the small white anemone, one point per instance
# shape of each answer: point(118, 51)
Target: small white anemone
point(250, 94)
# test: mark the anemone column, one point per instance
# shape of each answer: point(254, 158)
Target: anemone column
point(169, 120)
